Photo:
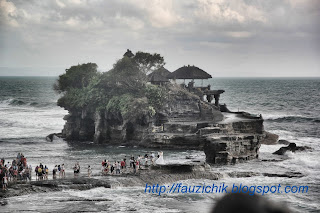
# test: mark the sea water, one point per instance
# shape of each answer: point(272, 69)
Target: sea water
point(290, 107)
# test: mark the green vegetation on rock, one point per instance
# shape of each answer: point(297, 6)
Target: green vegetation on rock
point(122, 90)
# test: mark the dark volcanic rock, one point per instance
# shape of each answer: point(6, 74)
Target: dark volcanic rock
point(3, 202)
point(50, 137)
point(270, 139)
point(272, 160)
point(284, 142)
point(291, 147)
point(74, 183)
point(288, 175)
point(245, 202)
point(242, 174)
point(53, 185)
point(175, 168)
point(281, 151)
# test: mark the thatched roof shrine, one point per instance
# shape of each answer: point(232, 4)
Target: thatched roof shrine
point(189, 72)
point(159, 75)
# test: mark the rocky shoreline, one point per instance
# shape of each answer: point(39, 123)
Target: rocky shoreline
point(155, 175)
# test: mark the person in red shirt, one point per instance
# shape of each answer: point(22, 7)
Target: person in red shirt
point(24, 161)
point(123, 164)
point(104, 163)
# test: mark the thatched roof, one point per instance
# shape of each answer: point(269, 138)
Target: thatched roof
point(189, 72)
point(157, 78)
point(159, 75)
point(162, 71)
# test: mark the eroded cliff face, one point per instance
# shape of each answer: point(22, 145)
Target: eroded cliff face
point(234, 142)
point(80, 126)
point(109, 127)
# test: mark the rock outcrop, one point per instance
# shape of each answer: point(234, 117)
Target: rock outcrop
point(79, 126)
point(185, 121)
point(244, 202)
point(109, 127)
point(270, 138)
point(284, 142)
point(23, 188)
point(239, 141)
point(291, 147)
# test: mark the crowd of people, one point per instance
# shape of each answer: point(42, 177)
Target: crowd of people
point(18, 169)
point(118, 167)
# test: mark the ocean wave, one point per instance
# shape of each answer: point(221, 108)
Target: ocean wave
point(17, 102)
point(291, 118)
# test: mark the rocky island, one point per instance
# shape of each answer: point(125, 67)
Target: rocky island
point(125, 106)
point(138, 103)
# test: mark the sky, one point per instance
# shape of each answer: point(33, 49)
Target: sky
point(226, 38)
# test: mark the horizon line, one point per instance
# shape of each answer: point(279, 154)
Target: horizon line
point(182, 79)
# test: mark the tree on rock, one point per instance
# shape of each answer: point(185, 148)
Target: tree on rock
point(148, 62)
point(77, 76)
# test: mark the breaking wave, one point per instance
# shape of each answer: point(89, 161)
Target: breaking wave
point(17, 102)
point(291, 118)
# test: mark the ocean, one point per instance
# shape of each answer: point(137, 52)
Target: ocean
point(290, 107)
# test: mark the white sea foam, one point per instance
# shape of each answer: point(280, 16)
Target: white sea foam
point(269, 116)
point(21, 122)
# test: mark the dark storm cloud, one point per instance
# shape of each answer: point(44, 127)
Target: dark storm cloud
point(61, 33)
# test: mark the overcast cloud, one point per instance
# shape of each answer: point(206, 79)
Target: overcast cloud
point(223, 37)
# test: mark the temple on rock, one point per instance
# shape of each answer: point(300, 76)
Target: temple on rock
point(192, 73)
point(187, 118)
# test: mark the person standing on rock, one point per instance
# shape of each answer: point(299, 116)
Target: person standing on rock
point(63, 172)
point(145, 160)
point(30, 172)
point(123, 164)
point(36, 171)
point(137, 165)
point(118, 168)
point(4, 182)
point(89, 171)
point(139, 161)
point(54, 172)
point(46, 171)
point(131, 161)
point(112, 168)
point(153, 158)
point(60, 172)
point(26, 174)
point(76, 169)
point(40, 173)
point(134, 168)
point(104, 163)
point(160, 160)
